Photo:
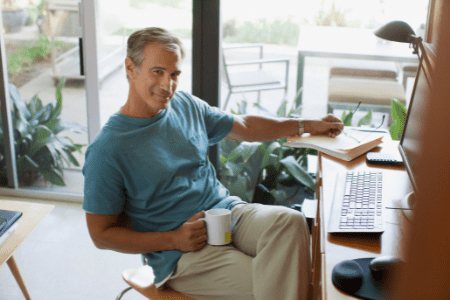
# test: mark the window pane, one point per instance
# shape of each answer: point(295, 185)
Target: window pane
point(314, 36)
point(139, 14)
point(39, 55)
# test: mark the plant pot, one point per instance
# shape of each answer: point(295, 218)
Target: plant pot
point(14, 20)
point(29, 178)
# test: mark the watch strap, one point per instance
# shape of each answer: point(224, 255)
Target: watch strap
point(301, 126)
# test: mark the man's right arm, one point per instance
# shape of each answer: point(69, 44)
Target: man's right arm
point(112, 232)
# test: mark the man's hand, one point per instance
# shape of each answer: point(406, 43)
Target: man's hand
point(191, 236)
point(327, 125)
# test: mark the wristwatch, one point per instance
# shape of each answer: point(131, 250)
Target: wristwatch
point(301, 126)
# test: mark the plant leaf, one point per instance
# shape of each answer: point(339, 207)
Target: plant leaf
point(281, 112)
point(228, 146)
point(41, 132)
point(38, 144)
point(59, 125)
point(269, 157)
point(34, 105)
point(231, 169)
point(244, 151)
point(54, 176)
point(398, 113)
point(58, 94)
point(298, 172)
point(239, 187)
point(366, 120)
point(72, 159)
point(347, 119)
point(21, 109)
point(25, 163)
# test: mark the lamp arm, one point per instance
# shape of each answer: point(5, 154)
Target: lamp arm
point(416, 42)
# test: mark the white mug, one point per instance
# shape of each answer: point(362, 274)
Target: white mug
point(218, 226)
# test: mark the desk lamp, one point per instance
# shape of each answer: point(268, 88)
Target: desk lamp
point(399, 31)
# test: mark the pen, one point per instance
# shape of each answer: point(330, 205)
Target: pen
point(367, 130)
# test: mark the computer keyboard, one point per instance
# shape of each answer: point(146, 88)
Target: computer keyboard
point(362, 201)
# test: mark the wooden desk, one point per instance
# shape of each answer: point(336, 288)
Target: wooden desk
point(33, 214)
point(329, 249)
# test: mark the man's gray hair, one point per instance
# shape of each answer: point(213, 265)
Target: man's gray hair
point(139, 39)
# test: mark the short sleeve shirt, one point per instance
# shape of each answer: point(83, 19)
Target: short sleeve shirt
point(156, 170)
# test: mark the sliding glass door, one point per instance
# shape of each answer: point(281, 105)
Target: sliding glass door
point(47, 96)
point(64, 69)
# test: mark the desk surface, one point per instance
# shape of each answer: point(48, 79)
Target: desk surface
point(33, 214)
point(338, 248)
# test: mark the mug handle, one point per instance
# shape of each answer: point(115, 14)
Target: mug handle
point(204, 221)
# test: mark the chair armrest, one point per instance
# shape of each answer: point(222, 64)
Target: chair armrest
point(257, 61)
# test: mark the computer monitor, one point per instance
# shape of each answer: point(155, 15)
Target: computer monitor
point(410, 145)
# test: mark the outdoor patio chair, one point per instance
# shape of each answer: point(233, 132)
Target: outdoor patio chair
point(364, 68)
point(257, 80)
point(141, 278)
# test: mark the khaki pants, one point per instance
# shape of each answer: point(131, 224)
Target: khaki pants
point(269, 259)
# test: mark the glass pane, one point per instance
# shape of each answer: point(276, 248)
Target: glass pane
point(259, 30)
point(115, 26)
point(48, 132)
point(314, 36)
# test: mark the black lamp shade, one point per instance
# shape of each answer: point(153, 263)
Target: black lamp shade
point(396, 31)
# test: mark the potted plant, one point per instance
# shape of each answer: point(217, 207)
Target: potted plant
point(247, 168)
point(14, 16)
point(39, 149)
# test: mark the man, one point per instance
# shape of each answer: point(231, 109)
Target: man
point(148, 182)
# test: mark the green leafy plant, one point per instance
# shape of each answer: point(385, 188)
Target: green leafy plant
point(347, 119)
point(23, 58)
point(38, 147)
point(279, 31)
point(333, 17)
point(398, 113)
point(243, 165)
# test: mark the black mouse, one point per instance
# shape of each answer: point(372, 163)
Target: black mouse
point(385, 263)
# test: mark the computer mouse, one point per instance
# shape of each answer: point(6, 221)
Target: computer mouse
point(385, 263)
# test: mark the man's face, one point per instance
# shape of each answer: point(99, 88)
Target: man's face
point(156, 83)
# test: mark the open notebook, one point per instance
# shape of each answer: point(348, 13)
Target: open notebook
point(345, 146)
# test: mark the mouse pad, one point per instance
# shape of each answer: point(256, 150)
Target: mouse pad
point(354, 277)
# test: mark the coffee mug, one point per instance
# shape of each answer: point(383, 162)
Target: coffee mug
point(218, 226)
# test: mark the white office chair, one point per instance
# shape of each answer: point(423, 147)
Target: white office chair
point(141, 279)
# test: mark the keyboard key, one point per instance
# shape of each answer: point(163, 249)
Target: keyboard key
point(345, 227)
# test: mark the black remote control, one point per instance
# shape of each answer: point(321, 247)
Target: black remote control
point(383, 159)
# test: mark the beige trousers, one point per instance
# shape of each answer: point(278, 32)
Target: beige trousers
point(269, 259)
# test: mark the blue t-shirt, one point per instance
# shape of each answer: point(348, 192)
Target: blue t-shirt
point(156, 170)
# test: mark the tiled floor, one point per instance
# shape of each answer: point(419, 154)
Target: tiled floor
point(58, 261)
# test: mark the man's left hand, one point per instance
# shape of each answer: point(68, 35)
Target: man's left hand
point(329, 125)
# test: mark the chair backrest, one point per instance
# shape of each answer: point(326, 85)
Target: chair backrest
point(224, 71)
